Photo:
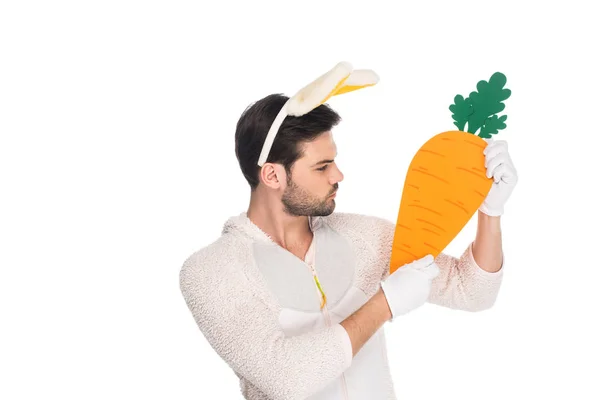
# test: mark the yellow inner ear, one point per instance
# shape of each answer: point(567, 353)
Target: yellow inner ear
point(335, 90)
point(350, 88)
point(358, 79)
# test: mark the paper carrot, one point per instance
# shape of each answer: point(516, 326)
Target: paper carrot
point(446, 182)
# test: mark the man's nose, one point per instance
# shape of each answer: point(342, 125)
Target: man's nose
point(337, 176)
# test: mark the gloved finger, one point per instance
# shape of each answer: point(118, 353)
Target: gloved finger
point(493, 162)
point(491, 142)
point(499, 146)
point(503, 172)
point(509, 175)
point(423, 262)
point(432, 270)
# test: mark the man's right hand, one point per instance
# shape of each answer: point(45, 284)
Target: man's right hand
point(409, 286)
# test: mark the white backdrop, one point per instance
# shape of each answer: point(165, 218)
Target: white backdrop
point(117, 161)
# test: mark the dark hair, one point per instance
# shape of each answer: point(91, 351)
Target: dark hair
point(254, 124)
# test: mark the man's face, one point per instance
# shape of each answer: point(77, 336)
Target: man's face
point(313, 180)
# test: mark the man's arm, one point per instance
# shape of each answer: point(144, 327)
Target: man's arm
point(401, 292)
point(487, 247)
point(472, 282)
point(243, 328)
point(367, 320)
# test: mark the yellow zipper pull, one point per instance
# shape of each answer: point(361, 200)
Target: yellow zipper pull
point(324, 298)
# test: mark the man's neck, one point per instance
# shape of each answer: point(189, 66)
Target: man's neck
point(290, 232)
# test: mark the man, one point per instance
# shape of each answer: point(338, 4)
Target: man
point(293, 296)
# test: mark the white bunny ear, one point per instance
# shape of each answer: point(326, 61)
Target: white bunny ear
point(320, 90)
point(360, 78)
point(338, 80)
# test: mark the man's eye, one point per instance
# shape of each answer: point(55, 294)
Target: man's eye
point(322, 168)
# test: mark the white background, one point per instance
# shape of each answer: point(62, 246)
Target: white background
point(117, 127)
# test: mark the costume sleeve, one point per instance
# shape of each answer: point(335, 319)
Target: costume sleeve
point(243, 328)
point(464, 285)
point(461, 284)
point(386, 239)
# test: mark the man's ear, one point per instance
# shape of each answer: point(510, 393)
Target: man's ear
point(272, 175)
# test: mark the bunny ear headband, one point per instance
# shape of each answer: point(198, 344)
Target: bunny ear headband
point(340, 79)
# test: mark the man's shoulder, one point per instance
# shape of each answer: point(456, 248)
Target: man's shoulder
point(215, 259)
point(359, 223)
point(221, 269)
point(377, 231)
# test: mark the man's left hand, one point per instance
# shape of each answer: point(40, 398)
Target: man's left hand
point(499, 166)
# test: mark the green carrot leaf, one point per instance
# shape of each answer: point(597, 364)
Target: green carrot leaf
point(492, 125)
point(461, 110)
point(487, 101)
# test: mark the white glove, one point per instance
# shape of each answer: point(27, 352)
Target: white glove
point(408, 287)
point(498, 165)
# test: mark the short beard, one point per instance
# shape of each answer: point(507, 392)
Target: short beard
point(298, 202)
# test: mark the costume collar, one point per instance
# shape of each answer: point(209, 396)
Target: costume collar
point(241, 224)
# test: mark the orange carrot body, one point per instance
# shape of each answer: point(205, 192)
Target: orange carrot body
point(445, 185)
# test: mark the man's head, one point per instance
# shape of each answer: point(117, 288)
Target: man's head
point(300, 167)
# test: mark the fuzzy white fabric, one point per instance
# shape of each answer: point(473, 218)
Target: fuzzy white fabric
point(235, 296)
point(273, 130)
point(316, 92)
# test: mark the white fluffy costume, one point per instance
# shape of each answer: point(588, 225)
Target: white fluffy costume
point(258, 306)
